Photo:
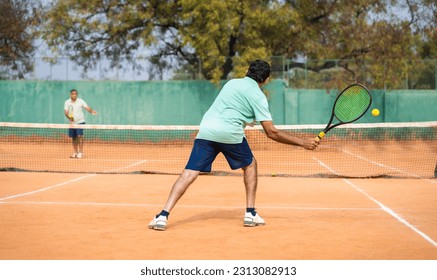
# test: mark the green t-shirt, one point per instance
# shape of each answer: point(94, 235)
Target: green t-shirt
point(239, 102)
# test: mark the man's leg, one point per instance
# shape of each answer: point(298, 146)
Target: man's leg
point(180, 186)
point(80, 145)
point(75, 146)
point(202, 155)
point(251, 218)
point(251, 183)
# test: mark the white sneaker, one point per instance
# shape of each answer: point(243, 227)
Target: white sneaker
point(159, 223)
point(73, 155)
point(79, 155)
point(253, 221)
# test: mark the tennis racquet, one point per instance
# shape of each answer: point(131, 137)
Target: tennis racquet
point(70, 112)
point(351, 104)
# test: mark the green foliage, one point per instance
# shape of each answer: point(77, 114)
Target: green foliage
point(221, 37)
point(17, 33)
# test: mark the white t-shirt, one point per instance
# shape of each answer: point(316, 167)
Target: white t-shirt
point(77, 108)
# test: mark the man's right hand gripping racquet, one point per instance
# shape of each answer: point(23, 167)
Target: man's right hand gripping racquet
point(351, 104)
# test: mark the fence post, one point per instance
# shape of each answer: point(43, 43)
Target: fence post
point(435, 85)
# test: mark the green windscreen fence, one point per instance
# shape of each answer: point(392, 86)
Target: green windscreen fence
point(185, 102)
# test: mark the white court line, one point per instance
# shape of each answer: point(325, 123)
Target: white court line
point(326, 166)
point(394, 214)
point(188, 206)
point(126, 167)
point(287, 163)
point(66, 182)
point(388, 167)
point(383, 207)
point(48, 188)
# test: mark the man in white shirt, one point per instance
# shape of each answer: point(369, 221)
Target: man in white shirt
point(73, 110)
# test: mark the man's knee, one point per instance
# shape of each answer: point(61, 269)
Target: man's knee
point(189, 175)
point(251, 165)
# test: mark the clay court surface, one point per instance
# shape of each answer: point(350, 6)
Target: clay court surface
point(68, 216)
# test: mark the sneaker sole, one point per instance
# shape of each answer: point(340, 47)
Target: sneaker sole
point(157, 227)
point(251, 224)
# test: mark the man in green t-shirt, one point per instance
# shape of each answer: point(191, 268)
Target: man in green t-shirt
point(240, 102)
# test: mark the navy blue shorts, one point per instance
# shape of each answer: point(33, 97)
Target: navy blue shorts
point(204, 153)
point(74, 132)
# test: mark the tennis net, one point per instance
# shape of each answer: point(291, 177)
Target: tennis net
point(389, 150)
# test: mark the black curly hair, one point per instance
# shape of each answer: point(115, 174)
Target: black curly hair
point(259, 70)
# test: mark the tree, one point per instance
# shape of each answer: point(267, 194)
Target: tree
point(342, 37)
point(212, 33)
point(372, 42)
point(17, 18)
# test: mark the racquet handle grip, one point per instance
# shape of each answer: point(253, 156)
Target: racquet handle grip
point(321, 135)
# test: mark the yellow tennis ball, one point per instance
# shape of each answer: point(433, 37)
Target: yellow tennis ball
point(375, 112)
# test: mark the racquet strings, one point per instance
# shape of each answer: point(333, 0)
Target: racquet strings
point(352, 104)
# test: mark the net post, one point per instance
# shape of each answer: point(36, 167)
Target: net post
point(435, 170)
